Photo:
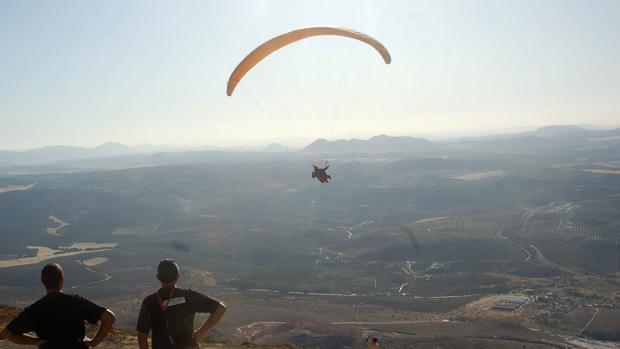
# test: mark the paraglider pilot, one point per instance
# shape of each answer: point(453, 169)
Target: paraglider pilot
point(320, 174)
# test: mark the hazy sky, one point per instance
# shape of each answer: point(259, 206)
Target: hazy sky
point(86, 72)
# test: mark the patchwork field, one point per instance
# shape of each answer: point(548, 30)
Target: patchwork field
point(396, 247)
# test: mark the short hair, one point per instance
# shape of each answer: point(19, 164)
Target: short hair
point(51, 275)
point(167, 271)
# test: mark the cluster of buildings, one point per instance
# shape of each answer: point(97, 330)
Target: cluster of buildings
point(557, 306)
point(511, 302)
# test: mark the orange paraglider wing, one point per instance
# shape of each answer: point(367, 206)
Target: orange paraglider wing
point(280, 41)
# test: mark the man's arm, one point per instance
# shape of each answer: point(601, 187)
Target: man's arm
point(143, 340)
point(107, 320)
point(144, 325)
point(22, 339)
point(213, 319)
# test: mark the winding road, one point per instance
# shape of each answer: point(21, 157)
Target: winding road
point(589, 322)
point(551, 264)
point(105, 278)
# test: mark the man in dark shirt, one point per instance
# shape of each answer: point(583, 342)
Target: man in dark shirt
point(58, 318)
point(169, 313)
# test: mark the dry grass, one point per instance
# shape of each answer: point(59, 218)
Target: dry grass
point(46, 253)
point(91, 245)
point(54, 230)
point(601, 171)
point(15, 188)
point(34, 260)
point(94, 261)
point(478, 175)
point(43, 251)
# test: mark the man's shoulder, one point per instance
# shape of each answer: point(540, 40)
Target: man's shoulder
point(150, 298)
point(189, 293)
point(54, 298)
point(69, 297)
point(183, 292)
point(187, 290)
point(197, 296)
point(178, 292)
point(38, 303)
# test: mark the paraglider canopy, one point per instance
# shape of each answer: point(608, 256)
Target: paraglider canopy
point(280, 41)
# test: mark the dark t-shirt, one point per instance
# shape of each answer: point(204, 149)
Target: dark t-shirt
point(58, 318)
point(179, 314)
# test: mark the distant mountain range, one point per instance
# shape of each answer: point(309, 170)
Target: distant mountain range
point(381, 143)
point(544, 139)
point(276, 148)
point(62, 152)
point(59, 153)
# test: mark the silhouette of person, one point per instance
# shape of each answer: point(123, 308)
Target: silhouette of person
point(169, 313)
point(58, 318)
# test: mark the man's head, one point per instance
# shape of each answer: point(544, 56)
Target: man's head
point(168, 272)
point(52, 277)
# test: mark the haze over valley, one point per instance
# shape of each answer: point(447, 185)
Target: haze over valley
point(429, 174)
point(416, 241)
